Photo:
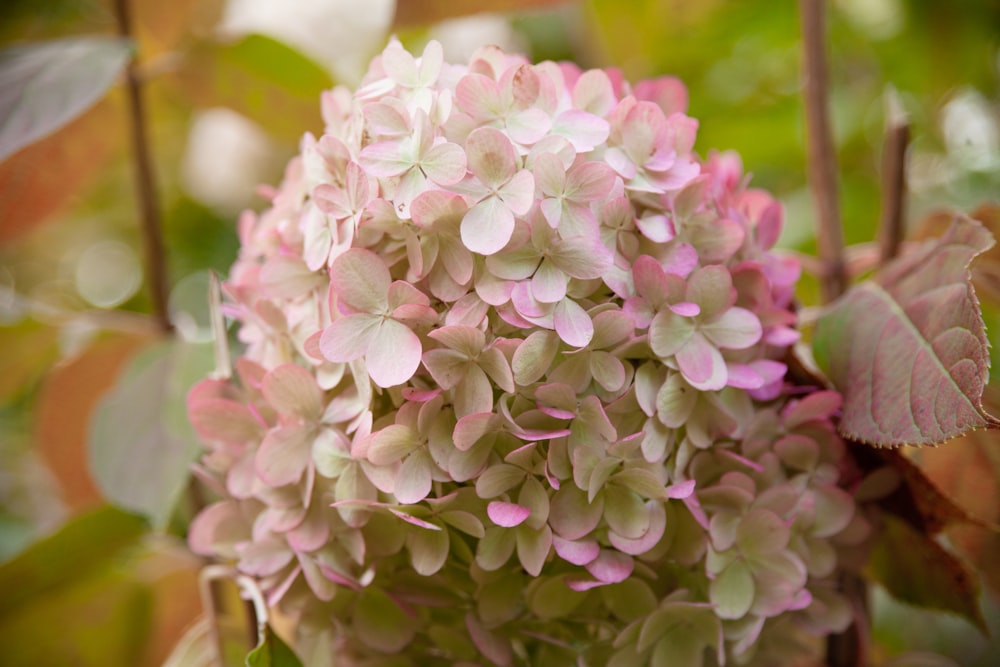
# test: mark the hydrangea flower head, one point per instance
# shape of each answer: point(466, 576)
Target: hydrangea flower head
point(513, 387)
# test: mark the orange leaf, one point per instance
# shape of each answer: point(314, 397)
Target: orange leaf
point(44, 178)
point(63, 409)
point(914, 568)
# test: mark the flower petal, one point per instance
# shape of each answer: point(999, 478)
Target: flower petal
point(702, 364)
point(488, 226)
point(348, 338)
point(360, 279)
point(393, 355)
point(491, 156)
point(506, 514)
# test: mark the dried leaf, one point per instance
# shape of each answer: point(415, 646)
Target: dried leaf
point(63, 411)
point(908, 350)
point(916, 569)
point(921, 502)
point(46, 85)
point(44, 178)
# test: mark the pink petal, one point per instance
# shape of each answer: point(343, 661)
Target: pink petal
point(361, 280)
point(711, 287)
point(284, 454)
point(590, 181)
point(507, 515)
point(217, 529)
point(219, 419)
point(685, 308)
point(743, 376)
point(572, 323)
point(491, 156)
point(577, 553)
point(474, 394)
point(488, 226)
point(348, 337)
point(528, 126)
point(478, 95)
point(593, 92)
point(652, 536)
point(668, 333)
point(548, 285)
point(413, 482)
point(702, 364)
point(389, 444)
point(444, 164)
point(584, 130)
point(447, 367)
point(550, 175)
point(656, 228)
point(288, 277)
point(611, 567)
point(393, 355)
point(735, 329)
point(583, 257)
point(383, 159)
point(519, 192)
point(292, 390)
point(471, 428)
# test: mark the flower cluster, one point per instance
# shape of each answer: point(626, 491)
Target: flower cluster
point(512, 388)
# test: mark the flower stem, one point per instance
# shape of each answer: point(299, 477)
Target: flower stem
point(821, 157)
point(149, 211)
point(897, 137)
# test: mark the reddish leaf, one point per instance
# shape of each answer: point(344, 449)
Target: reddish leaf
point(42, 179)
point(986, 270)
point(161, 26)
point(920, 501)
point(908, 350)
point(423, 12)
point(63, 410)
point(915, 569)
point(968, 470)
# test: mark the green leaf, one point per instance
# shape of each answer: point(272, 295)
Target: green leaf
point(908, 350)
point(916, 569)
point(272, 652)
point(91, 622)
point(48, 84)
point(381, 623)
point(141, 444)
point(86, 544)
point(425, 12)
point(261, 78)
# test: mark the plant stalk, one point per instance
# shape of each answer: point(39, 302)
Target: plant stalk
point(897, 138)
point(145, 186)
point(820, 154)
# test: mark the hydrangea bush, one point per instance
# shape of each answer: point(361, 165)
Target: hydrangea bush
point(513, 388)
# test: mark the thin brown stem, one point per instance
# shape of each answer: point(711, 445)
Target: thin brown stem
point(145, 187)
point(821, 157)
point(897, 138)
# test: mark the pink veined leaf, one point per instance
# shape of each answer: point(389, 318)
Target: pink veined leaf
point(908, 350)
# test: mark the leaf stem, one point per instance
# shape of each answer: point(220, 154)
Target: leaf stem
point(897, 138)
point(821, 157)
point(149, 211)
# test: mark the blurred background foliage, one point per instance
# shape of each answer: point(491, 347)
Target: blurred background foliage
point(230, 86)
